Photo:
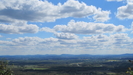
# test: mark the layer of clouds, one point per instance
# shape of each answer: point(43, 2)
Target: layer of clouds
point(89, 28)
point(44, 11)
point(15, 15)
point(115, 42)
point(18, 28)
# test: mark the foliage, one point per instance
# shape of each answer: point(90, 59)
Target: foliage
point(4, 70)
point(130, 71)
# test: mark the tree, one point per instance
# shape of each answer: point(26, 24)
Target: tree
point(4, 70)
point(130, 70)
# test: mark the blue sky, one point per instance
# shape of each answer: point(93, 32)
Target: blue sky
point(29, 27)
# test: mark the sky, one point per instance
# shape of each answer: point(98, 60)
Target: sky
point(29, 27)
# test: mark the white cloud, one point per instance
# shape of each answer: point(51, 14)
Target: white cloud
point(89, 28)
point(121, 41)
point(102, 16)
point(95, 42)
point(18, 28)
point(5, 43)
point(113, 43)
point(67, 36)
point(125, 12)
point(46, 29)
point(44, 11)
point(26, 41)
point(32, 41)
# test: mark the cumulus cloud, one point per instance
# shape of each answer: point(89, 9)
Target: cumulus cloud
point(94, 42)
point(67, 36)
point(18, 28)
point(32, 41)
point(89, 28)
point(125, 12)
point(101, 42)
point(120, 39)
point(5, 43)
point(68, 43)
point(46, 29)
point(102, 16)
point(44, 11)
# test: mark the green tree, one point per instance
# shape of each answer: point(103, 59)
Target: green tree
point(4, 70)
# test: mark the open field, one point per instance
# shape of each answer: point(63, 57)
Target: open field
point(69, 64)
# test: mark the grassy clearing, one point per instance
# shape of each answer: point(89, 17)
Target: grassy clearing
point(113, 60)
point(36, 68)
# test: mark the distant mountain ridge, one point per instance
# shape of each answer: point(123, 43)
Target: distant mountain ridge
point(70, 55)
point(64, 55)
